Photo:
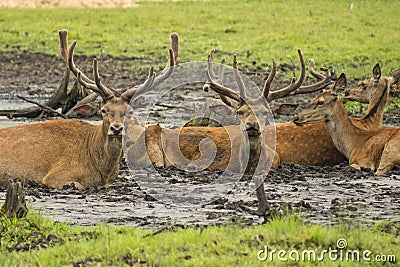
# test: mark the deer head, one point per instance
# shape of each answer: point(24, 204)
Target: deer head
point(323, 106)
point(115, 104)
point(253, 112)
point(247, 108)
point(368, 88)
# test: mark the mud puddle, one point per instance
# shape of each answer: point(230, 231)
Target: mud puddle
point(320, 195)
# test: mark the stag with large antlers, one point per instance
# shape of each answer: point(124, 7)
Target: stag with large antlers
point(374, 149)
point(311, 144)
point(253, 113)
point(288, 135)
point(61, 152)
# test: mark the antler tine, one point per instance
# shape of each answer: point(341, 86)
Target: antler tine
point(153, 80)
point(98, 88)
point(167, 71)
point(103, 91)
point(210, 64)
point(294, 85)
point(173, 55)
point(312, 71)
point(221, 70)
point(268, 82)
point(216, 78)
point(317, 86)
point(140, 89)
point(175, 44)
point(63, 37)
point(220, 79)
point(239, 81)
point(148, 83)
point(79, 77)
point(220, 89)
point(73, 67)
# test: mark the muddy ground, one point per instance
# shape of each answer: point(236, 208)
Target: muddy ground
point(325, 195)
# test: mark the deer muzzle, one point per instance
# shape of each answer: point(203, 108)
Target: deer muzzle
point(116, 129)
point(298, 121)
point(252, 128)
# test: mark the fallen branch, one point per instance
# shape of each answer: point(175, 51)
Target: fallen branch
point(43, 107)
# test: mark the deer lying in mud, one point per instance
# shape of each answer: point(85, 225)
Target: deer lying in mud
point(312, 144)
point(374, 149)
point(60, 152)
point(291, 140)
point(184, 147)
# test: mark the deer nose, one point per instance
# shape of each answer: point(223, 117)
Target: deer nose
point(297, 121)
point(116, 129)
point(252, 125)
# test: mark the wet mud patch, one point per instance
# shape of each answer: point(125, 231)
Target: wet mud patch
point(325, 195)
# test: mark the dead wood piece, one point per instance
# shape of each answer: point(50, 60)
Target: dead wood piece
point(15, 204)
point(43, 107)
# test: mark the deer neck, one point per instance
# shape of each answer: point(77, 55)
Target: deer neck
point(374, 115)
point(254, 153)
point(107, 153)
point(345, 135)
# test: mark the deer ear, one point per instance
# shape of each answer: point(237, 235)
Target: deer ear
point(376, 71)
point(340, 83)
point(85, 110)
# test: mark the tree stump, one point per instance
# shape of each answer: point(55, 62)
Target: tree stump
point(15, 204)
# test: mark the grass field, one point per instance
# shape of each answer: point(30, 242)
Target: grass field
point(37, 241)
point(351, 42)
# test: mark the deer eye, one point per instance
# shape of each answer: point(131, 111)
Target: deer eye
point(103, 111)
point(239, 112)
point(320, 103)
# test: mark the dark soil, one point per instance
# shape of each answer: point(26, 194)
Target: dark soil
point(320, 194)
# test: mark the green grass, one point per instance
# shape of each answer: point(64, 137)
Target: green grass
point(230, 245)
point(325, 30)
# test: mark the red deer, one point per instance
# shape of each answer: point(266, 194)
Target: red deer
point(311, 144)
point(61, 152)
point(374, 149)
point(375, 91)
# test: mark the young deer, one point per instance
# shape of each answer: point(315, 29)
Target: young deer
point(374, 149)
point(61, 152)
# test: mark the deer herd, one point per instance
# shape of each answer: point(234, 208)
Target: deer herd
point(70, 151)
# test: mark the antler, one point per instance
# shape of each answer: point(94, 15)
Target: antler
point(293, 86)
point(324, 80)
point(154, 80)
point(216, 78)
point(106, 93)
point(96, 86)
point(214, 85)
point(222, 90)
point(268, 82)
